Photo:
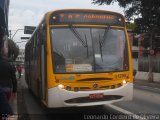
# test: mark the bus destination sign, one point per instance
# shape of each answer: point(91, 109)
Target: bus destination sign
point(87, 18)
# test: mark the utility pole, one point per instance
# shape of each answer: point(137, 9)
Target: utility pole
point(27, 30)
point(10, 34)
point(15, 33)
point(151, 52)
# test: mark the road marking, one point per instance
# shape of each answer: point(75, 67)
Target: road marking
point(143, 86)
point(151, 87)
point(126, 112)
point(156, 88)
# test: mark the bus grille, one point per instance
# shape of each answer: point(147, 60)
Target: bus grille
point(99, 88)
point(111, 86)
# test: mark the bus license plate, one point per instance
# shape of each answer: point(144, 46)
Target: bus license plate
point(96, 96)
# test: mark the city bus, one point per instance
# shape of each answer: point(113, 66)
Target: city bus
point(79, 57)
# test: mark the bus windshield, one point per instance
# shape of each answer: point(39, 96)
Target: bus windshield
point(89, 49)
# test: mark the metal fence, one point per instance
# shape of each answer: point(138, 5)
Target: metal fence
point(143, 64)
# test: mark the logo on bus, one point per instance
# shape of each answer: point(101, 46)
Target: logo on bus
point(95, 85)
point(67, 78)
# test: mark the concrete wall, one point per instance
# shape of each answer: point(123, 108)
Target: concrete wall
point(135, 64)
point(144, 76)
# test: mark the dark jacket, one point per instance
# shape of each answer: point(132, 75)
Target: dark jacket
point(7, 75)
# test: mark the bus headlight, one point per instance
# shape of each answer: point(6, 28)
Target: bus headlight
point(61, 86)
point(124, 82)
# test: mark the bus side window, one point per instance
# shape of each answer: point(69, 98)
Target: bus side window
point(34, 48)
point(32, 53)
point(37, 39)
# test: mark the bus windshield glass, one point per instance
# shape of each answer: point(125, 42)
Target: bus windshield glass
point(89, 49)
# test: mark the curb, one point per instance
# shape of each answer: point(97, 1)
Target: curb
point(146, 83)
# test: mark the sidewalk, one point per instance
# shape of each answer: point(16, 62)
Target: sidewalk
point(14, 106)
point(146, 83)
point(14, 102)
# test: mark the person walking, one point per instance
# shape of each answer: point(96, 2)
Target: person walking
point(8, 86)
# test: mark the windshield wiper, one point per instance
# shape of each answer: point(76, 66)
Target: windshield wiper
point(86, 45)
point(100, 47)
point(105, 35)
point(101, 42)
point(78, 36)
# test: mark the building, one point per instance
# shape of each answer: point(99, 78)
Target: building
point(4, 8)
point(20, 58)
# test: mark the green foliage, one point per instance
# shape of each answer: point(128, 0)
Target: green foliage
point(152, 39)
point(156, 38)
point(13, 50)
point(131, 26)
point(146, 41)
point(122, 3)
point(147, 11)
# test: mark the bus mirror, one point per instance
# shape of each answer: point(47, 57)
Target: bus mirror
point(42, 27)
point(42, 33)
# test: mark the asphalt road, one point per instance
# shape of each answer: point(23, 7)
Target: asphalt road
point(146, 100)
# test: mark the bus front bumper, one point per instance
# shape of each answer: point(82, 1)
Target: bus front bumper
point(62, 98)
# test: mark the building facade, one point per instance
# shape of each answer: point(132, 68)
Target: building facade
point(20, 58)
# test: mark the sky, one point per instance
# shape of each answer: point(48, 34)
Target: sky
point(30, 12)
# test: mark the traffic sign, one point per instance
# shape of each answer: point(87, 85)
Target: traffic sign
point(29, 29)
point(151, 52)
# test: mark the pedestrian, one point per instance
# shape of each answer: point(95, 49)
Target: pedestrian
point(19, 69)
point(5, 108)
point(8, 87)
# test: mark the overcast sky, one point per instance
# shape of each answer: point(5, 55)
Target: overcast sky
point(30, 12)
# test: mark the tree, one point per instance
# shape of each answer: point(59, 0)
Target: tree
point(131, 26)
point(13, 50)
point(147, 11)
point(156, 38)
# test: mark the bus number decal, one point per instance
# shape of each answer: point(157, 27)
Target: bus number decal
point(122, 76)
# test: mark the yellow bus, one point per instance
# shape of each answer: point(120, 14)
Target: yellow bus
point(79, 57)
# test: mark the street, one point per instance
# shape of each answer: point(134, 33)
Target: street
point(145, 104)
point(145, 101)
